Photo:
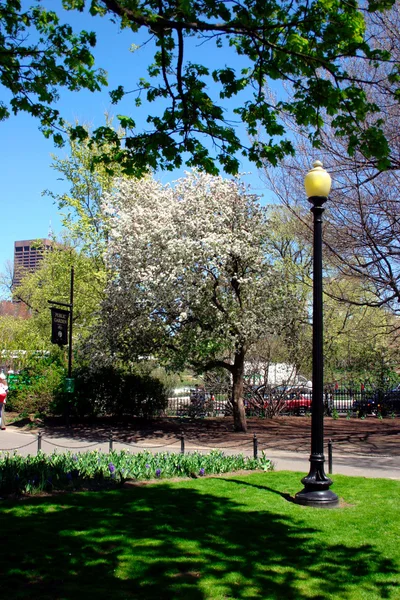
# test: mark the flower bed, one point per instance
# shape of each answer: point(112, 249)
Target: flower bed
point(69, 471)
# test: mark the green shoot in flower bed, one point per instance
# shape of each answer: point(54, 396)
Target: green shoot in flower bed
point(34, 474)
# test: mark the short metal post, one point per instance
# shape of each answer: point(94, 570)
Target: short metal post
point(110, 443)
point(39, 442)
point(255, 447)
point(330, 457)
point(182, 444)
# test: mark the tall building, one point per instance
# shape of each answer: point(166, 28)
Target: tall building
point(27, 257)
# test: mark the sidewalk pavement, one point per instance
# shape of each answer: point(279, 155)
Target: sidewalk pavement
point(375, 466)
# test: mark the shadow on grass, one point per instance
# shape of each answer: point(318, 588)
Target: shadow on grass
point(285, 496)
point(163, 542)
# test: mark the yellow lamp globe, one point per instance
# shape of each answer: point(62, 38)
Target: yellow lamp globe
point(317, 181)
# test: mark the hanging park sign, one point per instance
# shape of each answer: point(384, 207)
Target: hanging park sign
point(59, 326)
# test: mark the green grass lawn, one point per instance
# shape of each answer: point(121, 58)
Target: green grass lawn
point(223, 537)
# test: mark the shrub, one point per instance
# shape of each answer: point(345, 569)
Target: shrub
point(34, 389)
point(110, 391)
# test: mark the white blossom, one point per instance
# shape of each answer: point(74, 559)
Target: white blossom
point(191, 279)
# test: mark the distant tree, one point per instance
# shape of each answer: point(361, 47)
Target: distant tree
point(291, 253)
point(355, 329)
point(193, 282)
point(52, 282)
point(81, 210)
point(21, 335)
point(355, 335)
point(82, 246)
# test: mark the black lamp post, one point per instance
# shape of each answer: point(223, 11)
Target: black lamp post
point(316, 490)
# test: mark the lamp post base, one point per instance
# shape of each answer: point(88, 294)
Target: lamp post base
point(317, 498)
point(316, 490)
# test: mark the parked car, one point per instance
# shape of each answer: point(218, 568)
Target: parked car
point(299, 404)
point(255, 400)
point(296, 398)
point(389, 403)
point(365, 406)
point(255, 407)
point(383, 403)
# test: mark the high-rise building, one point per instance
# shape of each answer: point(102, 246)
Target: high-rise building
point(27, 257)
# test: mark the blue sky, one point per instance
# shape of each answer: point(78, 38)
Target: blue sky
point(26, 155)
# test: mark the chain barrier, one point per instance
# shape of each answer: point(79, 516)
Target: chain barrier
point(158, 446)
point(374, 455)
point(73, 447)
point(135, 445)
point(246, 443)
point(17, 447)
point(338, 454)
point(195, 447)
point(192, 445)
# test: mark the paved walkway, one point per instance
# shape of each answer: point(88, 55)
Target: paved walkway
point(344, 462)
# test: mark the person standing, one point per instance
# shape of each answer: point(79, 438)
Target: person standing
point(3, 396)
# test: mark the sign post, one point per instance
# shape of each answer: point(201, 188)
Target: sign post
point(61, 334)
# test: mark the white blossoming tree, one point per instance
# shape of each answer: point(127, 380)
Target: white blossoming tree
point(192, 281)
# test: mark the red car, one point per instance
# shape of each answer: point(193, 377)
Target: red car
point(298, 405)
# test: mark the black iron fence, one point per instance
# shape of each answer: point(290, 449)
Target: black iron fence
point(348, 402)
point(379, 402)
point(214, 405)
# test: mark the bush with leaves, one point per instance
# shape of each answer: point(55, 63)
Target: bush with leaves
point(115, 392)
point(35, 388)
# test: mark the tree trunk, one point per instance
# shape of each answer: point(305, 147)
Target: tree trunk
point(239, 414)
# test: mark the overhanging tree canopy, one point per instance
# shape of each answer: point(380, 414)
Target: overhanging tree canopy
point(38, 55)
point(304, 43)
